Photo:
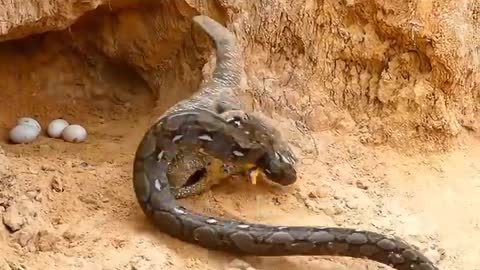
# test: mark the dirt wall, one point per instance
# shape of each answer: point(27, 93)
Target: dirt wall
point(386, 70)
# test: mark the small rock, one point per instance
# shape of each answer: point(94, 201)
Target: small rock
point(84, 164)
point(140, 263)
point(13, 219)
point(361, 185)
point(39, 197)
point(47, 168)
point(332, 210)
point(47, 241)
point(238, 264)
point(310, 204)
point(192, 263)
point(69, 236)
point(317, 194)
point(23, 238)
point(276, 201)
point(4, 199)
point(56, 184)
point(352, 204)
point(31, 194)
point(433, 255)
point(56, 221)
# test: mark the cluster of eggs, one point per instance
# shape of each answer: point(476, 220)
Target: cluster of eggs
point(28, 129)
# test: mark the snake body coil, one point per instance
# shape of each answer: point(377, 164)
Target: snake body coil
point(203, 130)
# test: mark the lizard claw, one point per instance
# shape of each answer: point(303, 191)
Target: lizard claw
point(253, 175)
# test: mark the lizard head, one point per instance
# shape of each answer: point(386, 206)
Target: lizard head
point(278, 162)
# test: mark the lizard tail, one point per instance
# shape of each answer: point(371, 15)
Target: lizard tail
point(228, 70)
point(191, 131)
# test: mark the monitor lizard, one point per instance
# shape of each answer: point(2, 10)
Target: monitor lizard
point(220, 95)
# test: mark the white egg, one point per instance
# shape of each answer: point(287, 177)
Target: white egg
point(56, 127)
point(23, 133)
point(74, 133)
point(31, 122)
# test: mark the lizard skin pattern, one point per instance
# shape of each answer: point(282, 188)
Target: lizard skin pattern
point(202, 130)
point(219, 94)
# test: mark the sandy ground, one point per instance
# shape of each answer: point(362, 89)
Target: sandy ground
point(72, 206)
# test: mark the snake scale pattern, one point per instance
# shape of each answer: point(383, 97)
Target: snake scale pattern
point(197, 126)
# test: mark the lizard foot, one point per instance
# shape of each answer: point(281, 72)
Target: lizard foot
point(253, 175)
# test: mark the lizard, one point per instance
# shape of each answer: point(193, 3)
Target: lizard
point(261, 134)
point(219, 95)
point(203, 130)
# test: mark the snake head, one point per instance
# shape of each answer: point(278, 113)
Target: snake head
point(279, 167)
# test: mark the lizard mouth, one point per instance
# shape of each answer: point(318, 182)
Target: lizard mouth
point(195, 177)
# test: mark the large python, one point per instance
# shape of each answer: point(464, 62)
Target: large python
point(188, 129)
point(193, 130)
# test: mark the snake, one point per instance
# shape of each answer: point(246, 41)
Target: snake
point(202, 129)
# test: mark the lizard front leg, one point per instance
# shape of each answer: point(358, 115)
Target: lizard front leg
point(214, 173)
point(211, 174)
point(219, 170)
point(193, 173)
